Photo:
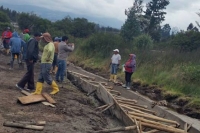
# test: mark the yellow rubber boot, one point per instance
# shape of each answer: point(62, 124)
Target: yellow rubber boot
point(115, 79)
point(111, 77)
point(54, 87)
point(38, 88)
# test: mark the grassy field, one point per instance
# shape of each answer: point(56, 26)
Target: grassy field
point(176, 73)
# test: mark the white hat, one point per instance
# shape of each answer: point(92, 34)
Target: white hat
point(116, 50)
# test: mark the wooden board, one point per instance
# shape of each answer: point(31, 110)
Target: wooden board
point(48, 98)
point(31, 99)
point(44, 103)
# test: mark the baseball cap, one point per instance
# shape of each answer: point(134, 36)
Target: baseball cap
point(116, 50)
point(37, 34)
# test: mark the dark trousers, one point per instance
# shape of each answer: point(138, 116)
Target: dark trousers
point(128, 76)
point(28, 77)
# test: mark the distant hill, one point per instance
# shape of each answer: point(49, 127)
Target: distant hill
point(57, 15)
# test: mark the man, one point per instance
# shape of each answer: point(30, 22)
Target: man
point(63, 51)
point(54, 65)
point(6, 35)
point(115, 62)
point(16, 43)
point(46, 63)
point(26, 35)
point(32, 51)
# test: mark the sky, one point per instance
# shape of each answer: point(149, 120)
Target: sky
point(180, 13)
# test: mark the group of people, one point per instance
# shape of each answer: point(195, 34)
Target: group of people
point(129, 67)
point(53, 58)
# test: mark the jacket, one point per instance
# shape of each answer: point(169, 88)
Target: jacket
point(48, 53)
point(63, 50)
point(15, 43)
point(31, 50)
point(130, 65)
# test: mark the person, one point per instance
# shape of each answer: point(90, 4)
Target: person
point(54, 64)
point(115, 62)
point(130, 67)
point(45, 66)
point(6, 35)
point(26, 36)
point(63, 50)
point(31, 57)
point(15, 46)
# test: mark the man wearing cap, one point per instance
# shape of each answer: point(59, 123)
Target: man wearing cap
point(115, 62)
point(6, 35)
point(31, 57)
point(45, 67)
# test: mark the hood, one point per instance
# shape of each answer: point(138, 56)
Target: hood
point(15, 34)
point(132, 56)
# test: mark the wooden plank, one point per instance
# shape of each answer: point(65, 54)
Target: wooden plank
point(48, 98)
point(44, 103)
point(20, 125)
point(31, 99)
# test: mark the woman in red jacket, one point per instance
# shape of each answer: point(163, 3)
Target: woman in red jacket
point(130, 67)
point(6, 35)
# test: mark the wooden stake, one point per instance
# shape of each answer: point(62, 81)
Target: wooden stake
point(101, 107)
point(19, 125)
point(48, 98)
point(142, 109)
point(107, 107)
point(135, 110)
point(124, 99)
point(137, 126)
point(132, 104)
point(116, 129)
point(38, 123)
point(154, 118)
point(163, 127)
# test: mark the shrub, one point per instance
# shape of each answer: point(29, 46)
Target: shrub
point(143, 42)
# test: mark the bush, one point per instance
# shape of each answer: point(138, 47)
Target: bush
point(143, 42)
point(101, 45)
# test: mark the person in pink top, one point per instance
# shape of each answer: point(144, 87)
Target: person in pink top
point(130, 67)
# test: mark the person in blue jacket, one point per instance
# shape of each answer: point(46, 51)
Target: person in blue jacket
point(15, 48)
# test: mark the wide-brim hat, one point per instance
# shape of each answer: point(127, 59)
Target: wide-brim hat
point(116, 50)
point(47, 37)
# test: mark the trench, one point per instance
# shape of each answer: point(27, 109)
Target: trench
point(163, 112)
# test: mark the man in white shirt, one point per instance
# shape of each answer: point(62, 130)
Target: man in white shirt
point(115, 62)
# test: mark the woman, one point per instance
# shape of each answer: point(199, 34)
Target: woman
point(130, 67)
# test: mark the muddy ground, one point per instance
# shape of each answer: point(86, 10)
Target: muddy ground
point(155, 93)
point(74, 112)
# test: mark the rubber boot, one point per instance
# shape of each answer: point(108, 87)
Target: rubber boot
point(115, 79)
point(111, 77)
point(124, 85)
point(7, 51)
point(11, 65)
point(54, 87)
point(38, 88)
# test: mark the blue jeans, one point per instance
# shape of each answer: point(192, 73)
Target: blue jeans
point(114, 69)
point(61, 70)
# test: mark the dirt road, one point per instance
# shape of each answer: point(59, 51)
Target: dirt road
point(74, 112)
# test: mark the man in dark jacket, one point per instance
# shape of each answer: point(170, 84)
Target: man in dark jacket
point(31, 58)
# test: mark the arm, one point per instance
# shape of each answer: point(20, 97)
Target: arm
point(69, 48)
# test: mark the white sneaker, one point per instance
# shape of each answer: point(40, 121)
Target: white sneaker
point(124, 85)
point(128, 88)
point(18, 87)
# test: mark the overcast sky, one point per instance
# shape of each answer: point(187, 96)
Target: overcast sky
point(179, 12)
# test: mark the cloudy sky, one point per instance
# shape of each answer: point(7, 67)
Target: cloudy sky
point(179, 12)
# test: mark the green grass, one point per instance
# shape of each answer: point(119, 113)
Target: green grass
point(178, 74)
